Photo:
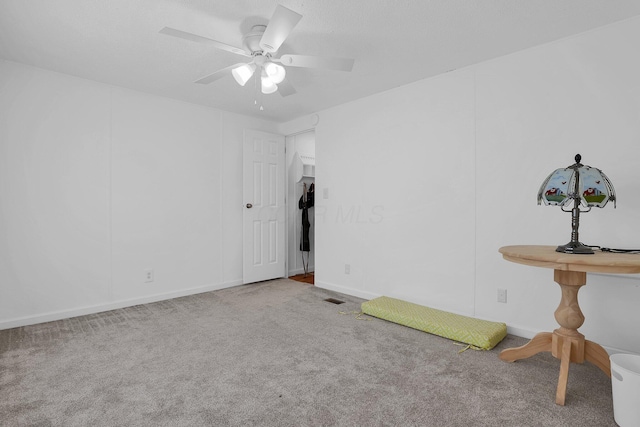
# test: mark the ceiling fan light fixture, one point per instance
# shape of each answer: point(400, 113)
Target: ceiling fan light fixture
point(243, 73)
point(268, 86)
point(275, 72)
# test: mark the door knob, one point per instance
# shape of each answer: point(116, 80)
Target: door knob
point(249, 205)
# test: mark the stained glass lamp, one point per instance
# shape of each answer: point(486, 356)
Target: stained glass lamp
point(574, 187)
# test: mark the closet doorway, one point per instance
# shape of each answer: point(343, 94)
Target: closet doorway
point(300, 160)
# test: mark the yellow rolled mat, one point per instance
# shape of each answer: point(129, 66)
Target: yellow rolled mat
point(482, 334)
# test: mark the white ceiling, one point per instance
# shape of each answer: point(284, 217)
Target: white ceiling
point(393, 42)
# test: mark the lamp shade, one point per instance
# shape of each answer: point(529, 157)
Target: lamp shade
point(275, 72)
point(268, 86)
point(243, 73)
point(590, 186)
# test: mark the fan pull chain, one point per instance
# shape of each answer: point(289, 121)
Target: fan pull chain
point(258, 87)
point(255, 89)
point(260, 92)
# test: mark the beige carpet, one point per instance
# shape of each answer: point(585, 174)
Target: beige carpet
point(275, 354)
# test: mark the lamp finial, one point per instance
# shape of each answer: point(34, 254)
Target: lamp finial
point(578, 158)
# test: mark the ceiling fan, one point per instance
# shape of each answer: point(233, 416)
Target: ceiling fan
point(261, 44)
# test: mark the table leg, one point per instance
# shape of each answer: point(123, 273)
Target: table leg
point(565, 343)
point(541, 342)
point(565, 358)
point(568, 344)
point(597, 355)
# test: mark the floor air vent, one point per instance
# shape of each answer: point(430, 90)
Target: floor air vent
point(334, 301)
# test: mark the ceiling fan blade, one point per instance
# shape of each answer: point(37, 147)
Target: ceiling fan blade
point(278, 29)
point(339, 64)
point(285, 88)
point(217, 75)
point(200, 39)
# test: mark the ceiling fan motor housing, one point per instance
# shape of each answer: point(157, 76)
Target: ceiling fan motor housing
point(251, 40)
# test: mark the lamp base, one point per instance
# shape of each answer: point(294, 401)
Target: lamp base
point(576, 248)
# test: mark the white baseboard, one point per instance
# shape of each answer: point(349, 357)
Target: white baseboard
point(82, 311)
point(347, 291)
point(520, 332)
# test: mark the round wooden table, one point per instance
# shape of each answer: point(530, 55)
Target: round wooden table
point(570, 272)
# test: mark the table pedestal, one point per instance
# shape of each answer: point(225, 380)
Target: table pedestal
point(565, 343)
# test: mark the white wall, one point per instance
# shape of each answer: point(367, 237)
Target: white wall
point(99, 183)
point(427, 181)
point(399, 171)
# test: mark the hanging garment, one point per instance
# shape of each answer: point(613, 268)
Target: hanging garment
point(305, 203)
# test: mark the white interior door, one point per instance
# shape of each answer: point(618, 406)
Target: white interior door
point(264, 206)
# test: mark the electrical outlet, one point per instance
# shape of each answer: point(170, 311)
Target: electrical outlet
point(502, 295)
point(148, 275)
point(325, 193)
point(347, 269)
